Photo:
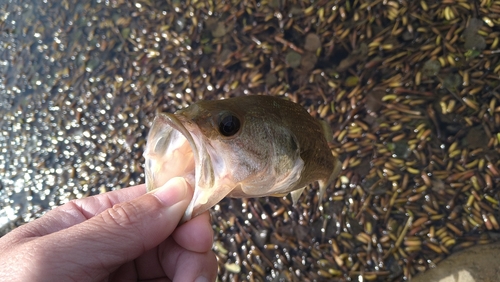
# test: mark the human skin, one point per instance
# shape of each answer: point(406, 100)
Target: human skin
point(123, 235)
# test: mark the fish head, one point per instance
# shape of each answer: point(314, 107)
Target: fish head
point(223, 148)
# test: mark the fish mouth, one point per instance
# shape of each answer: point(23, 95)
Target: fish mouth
point(173, 150)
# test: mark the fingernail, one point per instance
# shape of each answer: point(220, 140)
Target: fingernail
point(201, 279)
point(172, 192)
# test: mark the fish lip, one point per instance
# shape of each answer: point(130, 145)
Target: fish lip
point(178, 122)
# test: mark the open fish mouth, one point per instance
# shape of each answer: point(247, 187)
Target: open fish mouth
point(173, 151)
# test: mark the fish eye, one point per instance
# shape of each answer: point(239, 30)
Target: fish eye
point(229, 125)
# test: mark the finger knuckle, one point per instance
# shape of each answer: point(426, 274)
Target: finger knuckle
point(123, 214)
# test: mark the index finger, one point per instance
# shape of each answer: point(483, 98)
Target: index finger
point(94, 205)
point(77, 211)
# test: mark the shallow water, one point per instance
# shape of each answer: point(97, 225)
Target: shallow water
point(59, 111)
point(406, 90)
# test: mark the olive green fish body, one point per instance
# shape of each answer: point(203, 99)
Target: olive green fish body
point(249, 146)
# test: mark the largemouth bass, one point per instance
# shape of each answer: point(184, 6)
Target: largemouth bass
point(249, 146)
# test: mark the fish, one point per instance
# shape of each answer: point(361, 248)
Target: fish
point(241, 147)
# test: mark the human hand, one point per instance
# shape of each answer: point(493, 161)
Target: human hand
point(123, 235)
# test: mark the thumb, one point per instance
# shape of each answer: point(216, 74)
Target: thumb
point(126, 230)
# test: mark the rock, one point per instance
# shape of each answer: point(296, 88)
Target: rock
point(308, 61)
point(313, 42)
point(476, 264)
point(293, 59)
point(220, 30)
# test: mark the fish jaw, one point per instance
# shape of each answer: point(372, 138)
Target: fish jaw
point(205, 198)
point(176, 148)
point(170, 152)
